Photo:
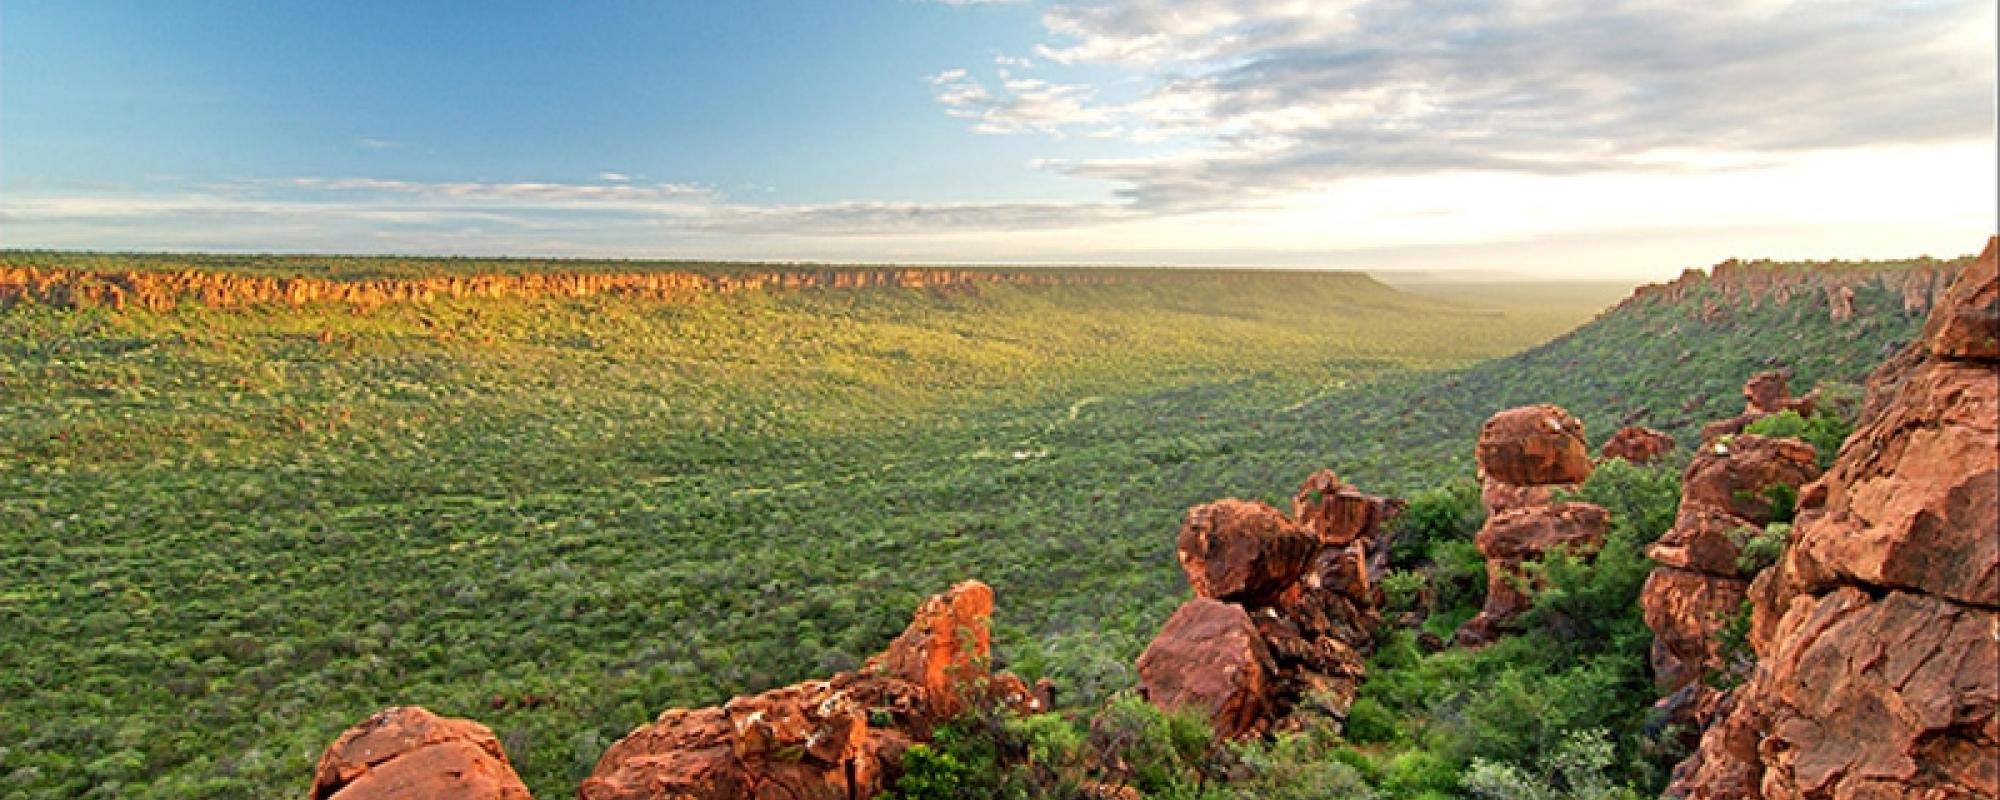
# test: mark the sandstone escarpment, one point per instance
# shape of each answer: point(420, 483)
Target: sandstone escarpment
point(163, 291)
point(1914, 288)
point(1878, 670)
point(1283, 612)
point(1525, 455)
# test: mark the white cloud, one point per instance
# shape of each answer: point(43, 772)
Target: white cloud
point(614, 177)
point(379, 144)
point(1279, 97)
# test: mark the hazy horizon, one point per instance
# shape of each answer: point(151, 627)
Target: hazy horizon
point(1539, 140)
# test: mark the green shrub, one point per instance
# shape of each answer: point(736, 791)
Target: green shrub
point(1451, 512)
point(1294, 767)
point(1824, 431)
point(1576, 770)
point(1368, 722)
point(1415, 772)
point(1402, 589)
point(1763, 549)
point(1137, 743)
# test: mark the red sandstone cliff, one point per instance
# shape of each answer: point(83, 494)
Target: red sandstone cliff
point(1878, 661)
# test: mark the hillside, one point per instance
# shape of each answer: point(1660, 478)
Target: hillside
point(268, 517)
point(562, 514)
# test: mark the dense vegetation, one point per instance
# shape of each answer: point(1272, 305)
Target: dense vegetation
point(225, 535)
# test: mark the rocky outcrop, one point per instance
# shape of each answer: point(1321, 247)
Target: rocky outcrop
point(1513, 538)
point(1283, 615)
point(1731, 489)
point(409, 753)
point(1637, 444)
point(1764, 394)
point(1209, 657)
point(1914, 287)
point(1878, 671)
point(1533, 446)
point(1246, 552)
point(1525, 456)
point(839, 738)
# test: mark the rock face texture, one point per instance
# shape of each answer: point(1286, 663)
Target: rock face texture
point(840, 738)
point(1243, 551)
point(1639, 445)
point(1525, 455)
point(1209, 657)
point(1533, 446)
point(1283, 610)
point(1731, 489)
point(408, 753)
point(1878, 666)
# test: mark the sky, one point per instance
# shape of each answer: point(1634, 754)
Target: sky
point(1563, 138)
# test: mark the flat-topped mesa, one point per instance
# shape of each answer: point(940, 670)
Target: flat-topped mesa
point(163, 291)
point(837, 739)
point(1283, 614)
point(1878, 673)
point(409, 753)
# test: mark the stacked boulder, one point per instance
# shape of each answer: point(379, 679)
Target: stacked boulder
point(1766, 393)
point(839, 738)
point(1731, 490)
point(409, 753)
point(1525, 455)
point(1878, 665)
point(1283, 612)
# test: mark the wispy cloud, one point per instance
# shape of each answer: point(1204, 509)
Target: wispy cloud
point(1277, 97)
point(379, 144)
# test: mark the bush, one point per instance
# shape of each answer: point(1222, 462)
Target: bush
point(1294, 767)
point(1577, 770)
point(1137, 743)
point(1824, 431)
point(1402, 590)
point(1368, 721)
point(1416, 772)
point(1451, 512)
point(1763, 549)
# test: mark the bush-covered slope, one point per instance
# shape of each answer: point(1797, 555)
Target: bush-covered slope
point(228, 533)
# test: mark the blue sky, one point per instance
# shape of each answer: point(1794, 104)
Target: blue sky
point(1573, 138)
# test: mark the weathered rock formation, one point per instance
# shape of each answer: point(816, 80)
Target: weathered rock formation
point(1729, 492)
point(1637, 444)
point(408, 753)
point(840, 738)
point(1915, 287)
point(1283, 612)
point(1766, 393)
point(1878, 667)
point(1525, 455)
